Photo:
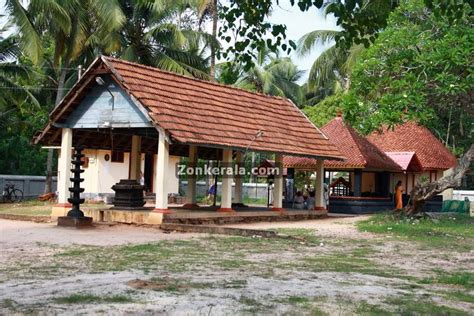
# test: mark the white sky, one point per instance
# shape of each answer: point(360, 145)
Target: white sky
point(298, 23)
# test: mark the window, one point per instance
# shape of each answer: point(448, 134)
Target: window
point(117, 156)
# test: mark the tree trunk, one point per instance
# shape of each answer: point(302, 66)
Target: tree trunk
point(48, 186)
point(212, 70)
point(425, 191)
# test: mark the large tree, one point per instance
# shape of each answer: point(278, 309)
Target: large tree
point(421, 68)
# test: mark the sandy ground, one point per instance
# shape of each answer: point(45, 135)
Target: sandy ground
point(339, 293)
point(337, 226)
point(21, 232)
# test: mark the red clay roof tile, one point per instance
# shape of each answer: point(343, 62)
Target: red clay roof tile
point(199, 112)
point(410, 136)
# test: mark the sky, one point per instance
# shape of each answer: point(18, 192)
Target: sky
point(298, 23)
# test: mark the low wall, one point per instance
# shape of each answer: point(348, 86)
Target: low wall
point(32, 186)
point(352, 205)
point(251, 190)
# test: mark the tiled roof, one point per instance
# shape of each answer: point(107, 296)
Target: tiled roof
point(198, 112)
point(359, 151)
point(411, 136)
point(405, 159)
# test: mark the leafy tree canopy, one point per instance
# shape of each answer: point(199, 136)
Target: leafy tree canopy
point(247, 21)
point(421, 68)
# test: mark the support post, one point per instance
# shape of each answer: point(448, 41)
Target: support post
point(226, 197)
point(278, 185)
point(319, 203)
point(191, 189)
point(161, 203)
point(135, 157)
point(357, 182)
point(238, 180)
point(64, 164)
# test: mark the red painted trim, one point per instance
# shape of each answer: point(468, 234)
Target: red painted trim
point(320, 208)
point(162, 210)
point(225, 209)
point(278, 209)
point(63, 205)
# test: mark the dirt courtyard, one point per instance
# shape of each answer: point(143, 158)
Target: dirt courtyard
point(330, 268)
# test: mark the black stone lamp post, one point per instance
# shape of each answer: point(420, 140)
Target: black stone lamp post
point(75, 217)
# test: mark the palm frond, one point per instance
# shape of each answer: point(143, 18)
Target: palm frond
point(307, 42)
point(29, 39)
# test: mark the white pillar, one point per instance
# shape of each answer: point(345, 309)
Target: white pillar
point(135, 158)
point(226, 197)
point(238, 180)
point(191, 189)
point(64, 166)
point(278, 184)
point(161, 175)
point(319, 186)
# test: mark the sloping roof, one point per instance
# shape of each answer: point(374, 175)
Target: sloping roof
point(359, 151)
point(407, 160)
point(198, 112)
point(413, 137)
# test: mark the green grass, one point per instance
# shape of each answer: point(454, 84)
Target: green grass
point(28, 208)
point(460, 296)
point(410, 305)
point(459, 278)
point(35, 208)
point(89, 298)
point(447, 231)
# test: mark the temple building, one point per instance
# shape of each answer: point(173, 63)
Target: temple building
point(365, 181)
point(133, 118)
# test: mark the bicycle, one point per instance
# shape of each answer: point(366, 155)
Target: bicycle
point(11, 194)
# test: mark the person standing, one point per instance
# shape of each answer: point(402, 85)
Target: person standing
point(398, 195)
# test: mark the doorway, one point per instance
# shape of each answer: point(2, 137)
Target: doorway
point(148, 172)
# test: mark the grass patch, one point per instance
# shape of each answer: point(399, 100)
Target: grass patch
point(460, 296)
point(28, 208)
point(303, 233)
point(460, 278)
point(413, 306)
point(446, 231)
point(89, 298)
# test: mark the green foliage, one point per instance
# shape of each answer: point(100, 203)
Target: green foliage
point(325, 110)
point(420, 68)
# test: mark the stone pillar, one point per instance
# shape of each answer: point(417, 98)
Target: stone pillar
point(319, 203)
point(278, 185)
point(238, 179)
point(191, 189)
point(135, 158)
point(226, 197)
point(161, 176)
point(357, 182)
point(64, 166)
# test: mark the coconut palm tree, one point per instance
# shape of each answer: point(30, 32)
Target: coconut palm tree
point(332, 67)
point(273, 75)
point(151, 36)
point(80, 29)
point(210, 7)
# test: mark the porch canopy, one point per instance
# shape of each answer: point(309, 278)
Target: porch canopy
point(368, 167)
point(116, 101)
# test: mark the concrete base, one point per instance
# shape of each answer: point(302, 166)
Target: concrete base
point(125, 216)
point(77, 222)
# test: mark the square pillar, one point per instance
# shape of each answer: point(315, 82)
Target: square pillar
point(161, 176)
point(278, 185)
point(238, 180)
point(226, 197)
point(135, 158)
point(64, 166)
point(319, 203)
point(191, 188)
